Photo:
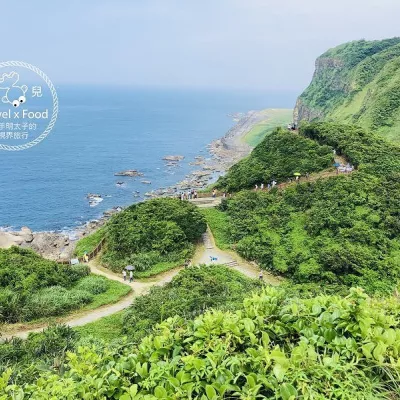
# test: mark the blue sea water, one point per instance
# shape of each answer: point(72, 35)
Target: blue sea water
point(102, 130)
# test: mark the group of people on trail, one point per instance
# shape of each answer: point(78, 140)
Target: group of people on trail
point(263, 187)
point(273, 184)
point(190, 194)
point(130, 276)
point(345, 169)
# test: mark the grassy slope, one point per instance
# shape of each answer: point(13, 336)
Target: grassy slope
point(89, 243)
point(275, 117)
point(107, 328)
point(365, 90)
point(115, 291)
point(218, 222)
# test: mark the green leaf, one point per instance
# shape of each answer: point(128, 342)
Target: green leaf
point(288, 391)
point(160, 392)
point(279, 372)
point(211, 393)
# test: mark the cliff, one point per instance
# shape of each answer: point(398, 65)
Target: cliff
point(358, 83)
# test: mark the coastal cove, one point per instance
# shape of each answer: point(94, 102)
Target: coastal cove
point(104, 130)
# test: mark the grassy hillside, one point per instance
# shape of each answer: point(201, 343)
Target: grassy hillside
point(277, 157)
point(274, 117)
point(342, 230)
point(357, 82)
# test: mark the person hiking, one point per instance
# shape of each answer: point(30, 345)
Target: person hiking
point(256, 186)
point(124, 274)
point(260, 276)
point(130, 276)
point(214, 193)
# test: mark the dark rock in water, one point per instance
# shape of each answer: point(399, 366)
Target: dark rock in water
point(129, 172)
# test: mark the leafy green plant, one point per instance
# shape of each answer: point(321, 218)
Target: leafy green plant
point(275, 347)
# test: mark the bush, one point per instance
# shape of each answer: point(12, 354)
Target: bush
point(78, 271)
point(54, 301)
point(93, 284)
point(154, 231)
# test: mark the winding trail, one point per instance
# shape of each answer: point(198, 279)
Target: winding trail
point(204, 251)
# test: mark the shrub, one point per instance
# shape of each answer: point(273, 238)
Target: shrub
point(93, 284)
point(152, 232)
point(77, 271)
point(54, 301)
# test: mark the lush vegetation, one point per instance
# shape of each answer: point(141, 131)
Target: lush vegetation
point(343, 230)
point(190, 293)
point(193, 291)
point(358, 82)
point(31, 285)
point(151, 233)
point(88, 243)
point(218, 222)
point(275, 347)
point(33, 288)
point(277, 157)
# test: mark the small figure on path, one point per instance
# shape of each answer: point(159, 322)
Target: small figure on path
point(124, 274)
point(268, 186)
point(307, 175)
point(260, 276)
point(256, 186)
point(86, 258)
point(262, 186)
point(214, 193)
point(130, 276)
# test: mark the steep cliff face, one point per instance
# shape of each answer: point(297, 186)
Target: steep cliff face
point(358, 82)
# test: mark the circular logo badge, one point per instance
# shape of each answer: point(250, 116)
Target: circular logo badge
point(28, 105)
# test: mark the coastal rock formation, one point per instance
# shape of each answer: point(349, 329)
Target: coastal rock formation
point(50, 245)
point(129, 172)
point(173, 158)
point(356, 83)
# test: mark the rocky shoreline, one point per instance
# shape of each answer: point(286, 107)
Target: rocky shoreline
point(224, 152)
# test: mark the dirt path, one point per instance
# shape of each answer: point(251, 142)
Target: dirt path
point(230, 258)
point(139, 287)
point(84, 317)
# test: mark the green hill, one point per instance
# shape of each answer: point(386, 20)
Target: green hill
point(358, 83)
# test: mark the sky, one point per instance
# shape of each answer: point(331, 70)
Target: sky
point(241, 44)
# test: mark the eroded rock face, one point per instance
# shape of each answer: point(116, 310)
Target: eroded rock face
point(324, 66)
point(304, 113)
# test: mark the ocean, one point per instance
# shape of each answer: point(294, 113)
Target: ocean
point(103, 130)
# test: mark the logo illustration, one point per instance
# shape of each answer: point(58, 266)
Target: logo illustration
point(14, 94)
point(28, 106)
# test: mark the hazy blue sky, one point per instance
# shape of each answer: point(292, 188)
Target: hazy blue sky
point(266, 44)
